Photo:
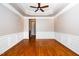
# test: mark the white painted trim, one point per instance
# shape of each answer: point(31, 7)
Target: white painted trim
point(26, 35)
point(8, 41)
point(69, 40)
point(45, 35)
point(65, 9)
point(11, 8)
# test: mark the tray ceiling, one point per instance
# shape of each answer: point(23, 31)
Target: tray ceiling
point(26, 10)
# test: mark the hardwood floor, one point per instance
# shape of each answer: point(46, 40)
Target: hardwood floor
point(42, 47)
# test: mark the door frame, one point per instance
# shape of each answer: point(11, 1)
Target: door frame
point(32, 37)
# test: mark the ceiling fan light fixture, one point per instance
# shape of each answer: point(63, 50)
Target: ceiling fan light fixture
point(39, 7)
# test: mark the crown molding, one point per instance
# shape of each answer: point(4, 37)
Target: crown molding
point(11, 8)
point(61, 12)
point(65, 9)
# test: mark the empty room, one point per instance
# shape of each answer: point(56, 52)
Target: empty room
point(39, 29)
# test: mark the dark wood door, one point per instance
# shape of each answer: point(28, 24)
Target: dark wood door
point(32, 29)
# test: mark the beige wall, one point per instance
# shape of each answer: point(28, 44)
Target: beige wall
point(68, 22)
point(44, 24)
point(10, 22)
point(44, 27)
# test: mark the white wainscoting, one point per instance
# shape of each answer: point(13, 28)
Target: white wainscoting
point(69, 40)
point(8, 41)
point(26, 35)
point(41, 35)
point(45, 35)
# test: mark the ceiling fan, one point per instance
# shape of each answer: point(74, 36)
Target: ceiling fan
point(39, 7)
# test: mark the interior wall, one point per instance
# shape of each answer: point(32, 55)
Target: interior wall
point(26, 28)
point(68, 22)
point(66, 28)
point(44, 24)
point(44, 27)
point(9, 22)
point(11, 29)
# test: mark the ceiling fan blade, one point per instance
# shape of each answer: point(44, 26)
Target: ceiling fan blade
point(36, 10)
point(38, 4)
point(33, 6)
point(45, 6)
point(42, 10)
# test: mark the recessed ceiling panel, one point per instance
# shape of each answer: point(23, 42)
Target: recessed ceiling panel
point(52, 10)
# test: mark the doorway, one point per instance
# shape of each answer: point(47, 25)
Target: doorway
point(32, 29)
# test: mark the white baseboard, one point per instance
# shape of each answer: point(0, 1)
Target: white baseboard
point(45, 35)
point(70, 41)
point(8, 41)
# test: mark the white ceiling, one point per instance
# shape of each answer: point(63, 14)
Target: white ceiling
point(52, 10)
